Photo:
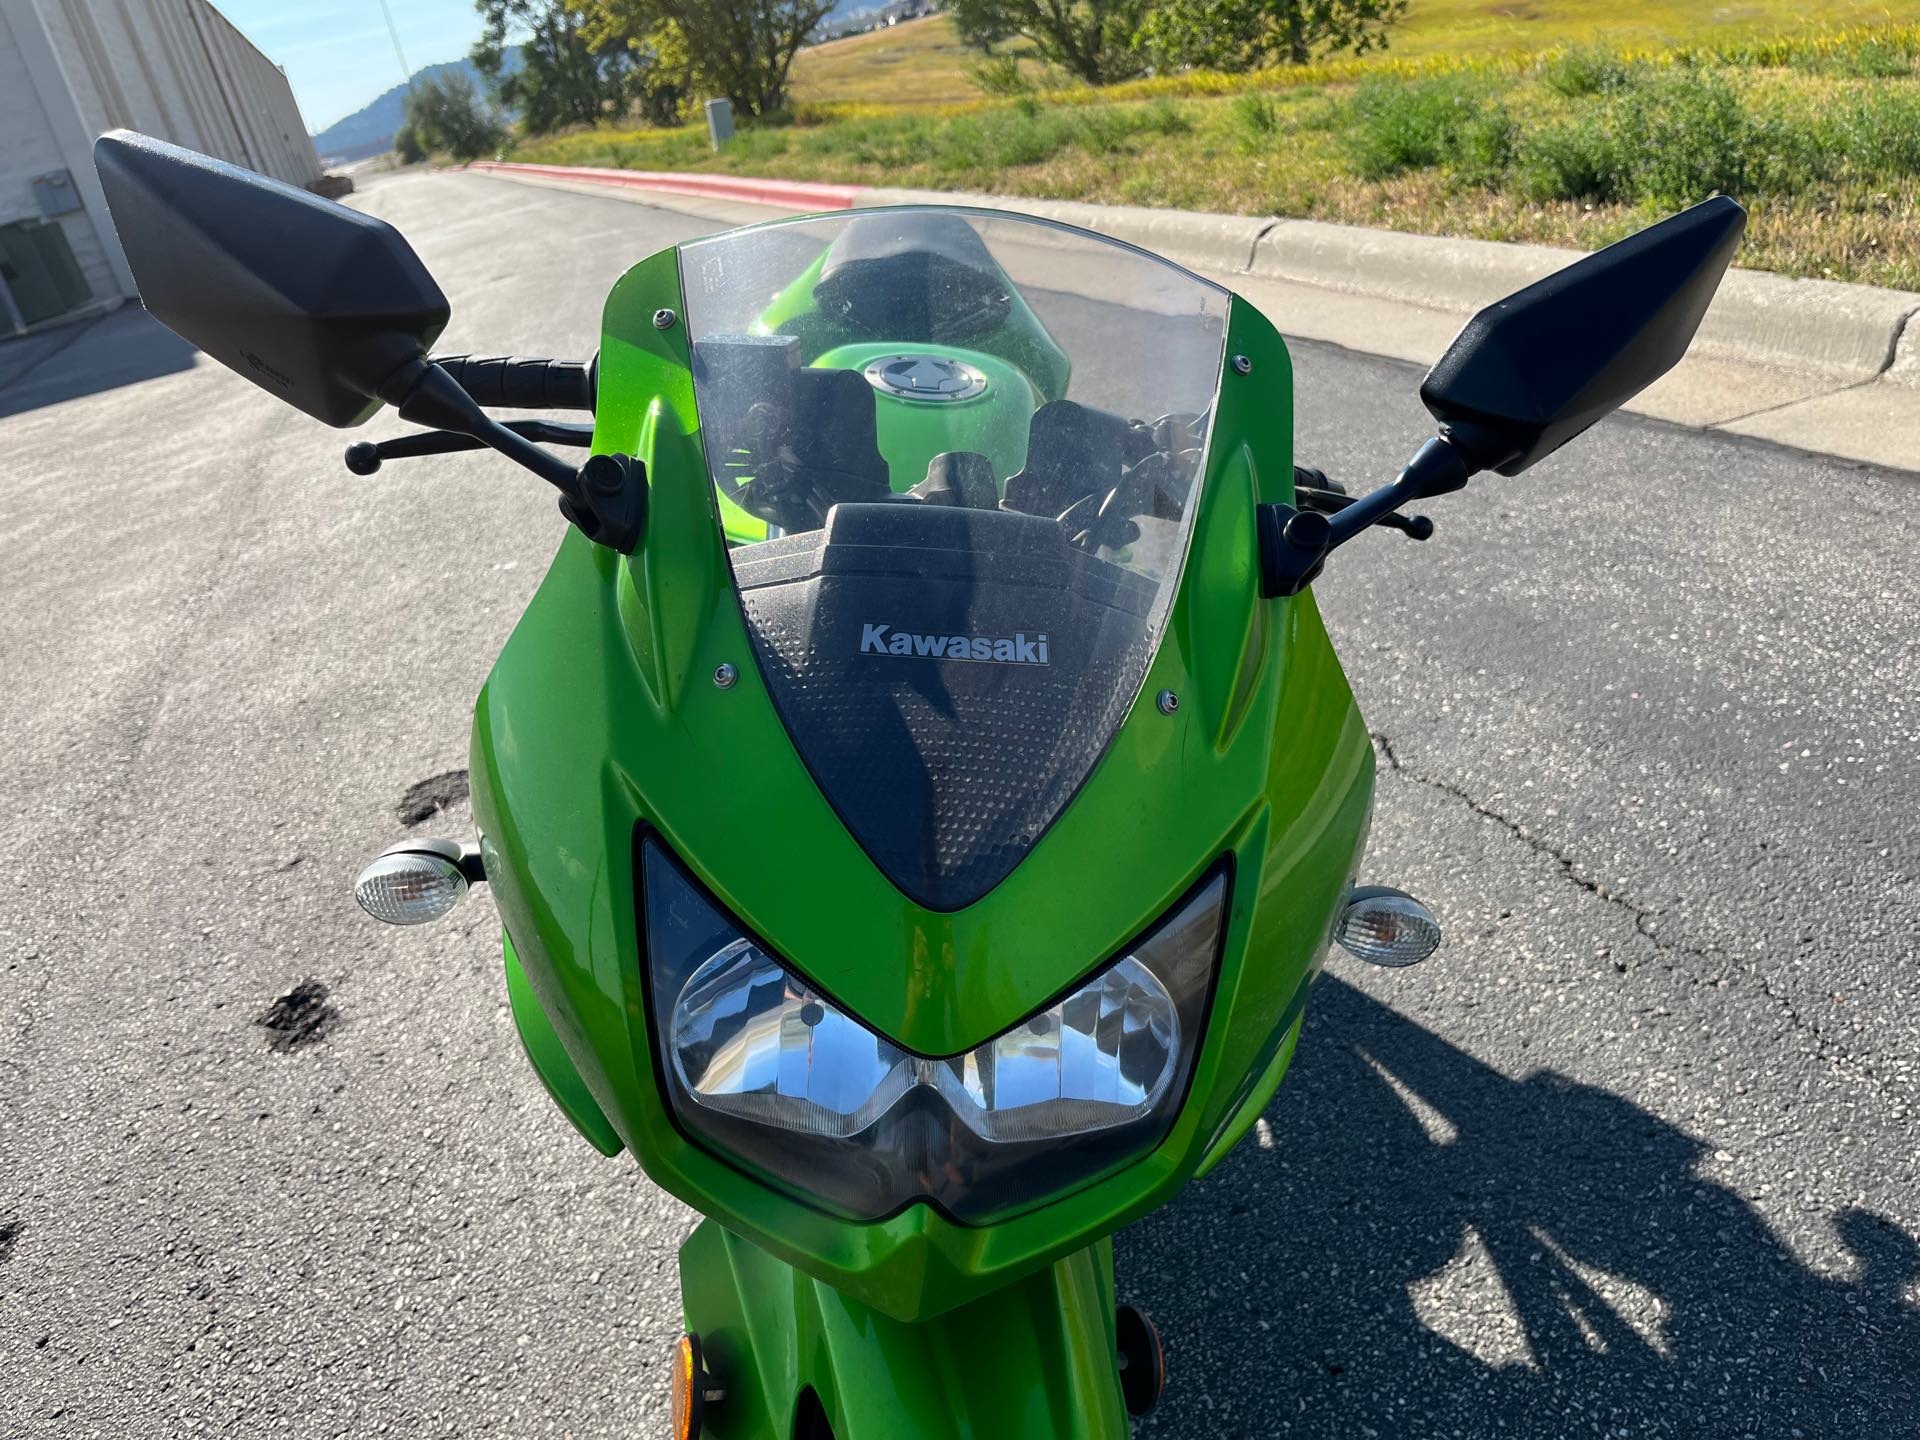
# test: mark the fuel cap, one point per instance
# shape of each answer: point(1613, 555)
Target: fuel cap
point(938, 378)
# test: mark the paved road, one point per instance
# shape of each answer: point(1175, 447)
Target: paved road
point(1636, 1155)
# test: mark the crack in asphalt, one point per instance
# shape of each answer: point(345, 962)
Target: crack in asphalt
point(28, 1016)
point(1825, 1047)
point(1643, 919)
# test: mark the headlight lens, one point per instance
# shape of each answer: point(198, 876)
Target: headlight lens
point(772, 1072)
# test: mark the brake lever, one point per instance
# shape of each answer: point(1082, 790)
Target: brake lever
point(1332, 502)
point(1414, 527)
point(364, 457)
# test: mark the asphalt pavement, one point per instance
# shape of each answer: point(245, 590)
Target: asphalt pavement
point(1634, 1155)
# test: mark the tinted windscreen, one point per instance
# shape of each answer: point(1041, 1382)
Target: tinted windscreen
point(956, 456)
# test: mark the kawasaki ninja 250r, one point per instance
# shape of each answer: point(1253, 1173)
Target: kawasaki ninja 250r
point(921, 794)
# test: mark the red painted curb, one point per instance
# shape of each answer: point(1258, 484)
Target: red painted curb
point(796, 194)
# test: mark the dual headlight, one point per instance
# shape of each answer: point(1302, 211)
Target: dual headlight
point(763, 1067)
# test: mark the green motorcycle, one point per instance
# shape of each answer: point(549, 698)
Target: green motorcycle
point(922, 792)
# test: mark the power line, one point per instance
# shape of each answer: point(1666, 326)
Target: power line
point(406, 70)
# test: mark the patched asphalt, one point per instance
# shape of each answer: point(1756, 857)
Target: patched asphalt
point(1635, 1155)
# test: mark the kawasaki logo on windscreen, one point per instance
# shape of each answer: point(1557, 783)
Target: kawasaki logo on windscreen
point(1020, 649)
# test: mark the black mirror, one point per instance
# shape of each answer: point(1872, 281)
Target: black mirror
point(315, 303)
point(1530, 372)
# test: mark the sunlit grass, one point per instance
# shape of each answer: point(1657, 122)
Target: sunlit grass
point(1818, 133)
point(922, 62)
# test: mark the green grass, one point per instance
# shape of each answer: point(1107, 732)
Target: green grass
point(1467, 27)
point(1819, 133)
point(923, 63)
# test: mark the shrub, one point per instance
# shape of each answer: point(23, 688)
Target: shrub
point(998, 139)
point(1163, 117)
point(1256, 117)
point(1587, 70)
point(1576, 160)
point(1685, 138)
point(1786, 156)
point(448, 112)
point(1395, 126)
point(1884, 56)
point(1688, 134)
point(1880, 134)
point(1484, 152)
point(1101, 128)
point(1670, 140)
point(1000, 75)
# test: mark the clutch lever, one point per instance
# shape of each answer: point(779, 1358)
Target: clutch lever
point(364, 457)
point(1329, 500)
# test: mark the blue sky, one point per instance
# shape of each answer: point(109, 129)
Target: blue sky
point(337, 52)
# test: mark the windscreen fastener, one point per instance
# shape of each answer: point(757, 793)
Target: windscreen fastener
point(724, 675)
point(663, 319)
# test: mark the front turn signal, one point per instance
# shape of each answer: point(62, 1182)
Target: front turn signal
point(693, 1389)
point(417, 881)
point(1383, 926)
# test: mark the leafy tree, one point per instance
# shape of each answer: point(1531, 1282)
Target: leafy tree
point(664, 73)
point(742, 49)
point(564, 78)
point(412, 152)
point(447, 112)
point(664, 76)
point(1092, 40)
point(1247, 34)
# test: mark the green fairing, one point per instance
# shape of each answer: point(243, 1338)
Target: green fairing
point(549, 1059)
point(600, 717)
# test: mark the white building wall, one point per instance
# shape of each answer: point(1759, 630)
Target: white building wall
point(176, 69)
point(179, 69)
point(39, 133)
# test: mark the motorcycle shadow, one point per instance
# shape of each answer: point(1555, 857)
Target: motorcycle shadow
point(1412, 1243)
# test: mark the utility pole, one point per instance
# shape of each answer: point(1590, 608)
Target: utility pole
point(406, 71)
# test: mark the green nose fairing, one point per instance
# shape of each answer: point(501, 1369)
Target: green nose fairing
point(602, 716)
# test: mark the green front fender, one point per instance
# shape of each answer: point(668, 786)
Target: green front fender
point(1033, 1360)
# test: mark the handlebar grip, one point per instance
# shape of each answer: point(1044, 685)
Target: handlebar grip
point(517, 382)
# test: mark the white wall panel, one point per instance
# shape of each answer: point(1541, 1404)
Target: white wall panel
point(178, 69)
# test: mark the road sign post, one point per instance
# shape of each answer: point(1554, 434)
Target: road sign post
point(720, 121)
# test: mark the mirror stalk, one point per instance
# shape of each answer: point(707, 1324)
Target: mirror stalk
point(425, 394)
point(606, 498)
point(1294, 544)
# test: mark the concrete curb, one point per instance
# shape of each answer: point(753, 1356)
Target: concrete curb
point(1817, 364)
point(787, 194)
point(1202, 241)
point(1848, 331)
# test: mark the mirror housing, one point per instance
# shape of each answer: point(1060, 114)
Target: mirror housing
point(321, 306)
point(1530, 372)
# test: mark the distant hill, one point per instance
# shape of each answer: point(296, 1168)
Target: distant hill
point(370, 130)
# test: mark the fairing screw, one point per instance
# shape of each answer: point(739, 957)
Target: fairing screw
point(724, 675)
point(1242, 365)
point(663, 319)
point(1167, 701)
